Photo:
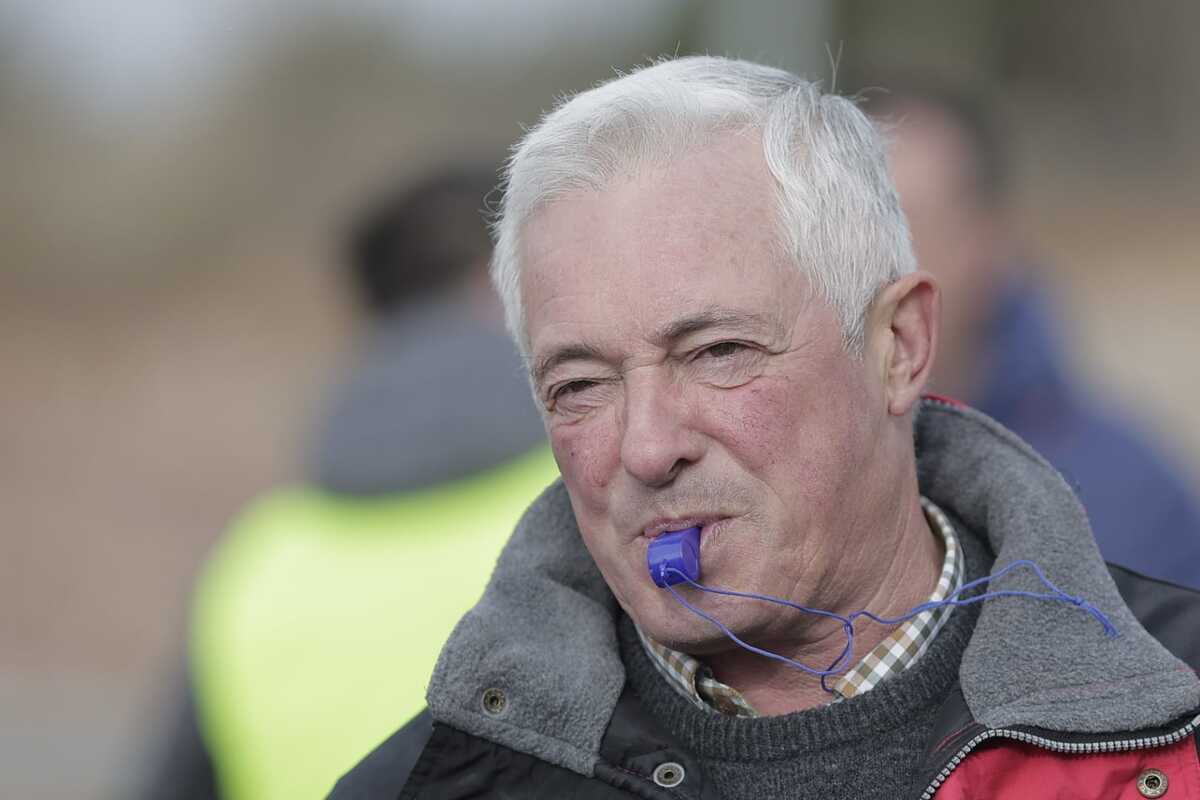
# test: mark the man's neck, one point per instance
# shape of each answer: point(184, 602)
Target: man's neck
point(774, 688)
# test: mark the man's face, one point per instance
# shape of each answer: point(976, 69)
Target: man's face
point(690, 378)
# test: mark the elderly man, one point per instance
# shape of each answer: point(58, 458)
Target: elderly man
point(708, 271)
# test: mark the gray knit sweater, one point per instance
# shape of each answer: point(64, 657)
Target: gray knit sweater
point(864, 747)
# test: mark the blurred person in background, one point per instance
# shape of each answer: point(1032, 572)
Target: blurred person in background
point(1001, 349)
point(317, 620)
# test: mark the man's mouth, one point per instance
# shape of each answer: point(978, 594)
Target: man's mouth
point(660, 526)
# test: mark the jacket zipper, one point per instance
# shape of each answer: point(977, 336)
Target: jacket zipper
point(1073, 748)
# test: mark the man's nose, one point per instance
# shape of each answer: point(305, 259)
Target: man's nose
point(658, 440)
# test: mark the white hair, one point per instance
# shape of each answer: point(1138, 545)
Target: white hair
point(839, 216)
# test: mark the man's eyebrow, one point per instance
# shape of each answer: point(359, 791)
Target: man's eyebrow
point(670, 332)
point(712, 318)
point(561, 355)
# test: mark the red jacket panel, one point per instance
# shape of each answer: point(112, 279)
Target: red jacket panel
point(1004, 769)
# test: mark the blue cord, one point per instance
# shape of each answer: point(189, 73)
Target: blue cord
point(847, 626)
point(953, 599)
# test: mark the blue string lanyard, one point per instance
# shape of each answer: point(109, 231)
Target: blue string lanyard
point(673, 558)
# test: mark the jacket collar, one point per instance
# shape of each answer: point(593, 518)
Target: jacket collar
point(543, 635)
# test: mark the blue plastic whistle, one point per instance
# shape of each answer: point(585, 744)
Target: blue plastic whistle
point(676, 550)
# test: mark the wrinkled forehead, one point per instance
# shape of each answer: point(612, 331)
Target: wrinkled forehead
point(699, 236)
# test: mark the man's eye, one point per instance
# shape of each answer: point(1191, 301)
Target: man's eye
point(574, 398)
point(574, 387)
point(727, 364)
point(722, 349)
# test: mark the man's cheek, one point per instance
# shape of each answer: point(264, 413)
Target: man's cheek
point(756, 422)
point(587, 456)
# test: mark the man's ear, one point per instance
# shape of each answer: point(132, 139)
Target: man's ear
point(904, 323)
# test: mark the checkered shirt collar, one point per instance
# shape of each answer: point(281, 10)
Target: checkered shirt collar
point(899, 651)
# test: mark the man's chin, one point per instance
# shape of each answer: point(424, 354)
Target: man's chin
point(681, 630)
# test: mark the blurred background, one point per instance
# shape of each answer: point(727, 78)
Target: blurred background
point(175, 176)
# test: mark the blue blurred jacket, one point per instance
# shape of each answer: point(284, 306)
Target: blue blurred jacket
point(1143, 510)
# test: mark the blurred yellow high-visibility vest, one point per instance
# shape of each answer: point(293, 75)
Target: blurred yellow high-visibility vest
point(318, 620)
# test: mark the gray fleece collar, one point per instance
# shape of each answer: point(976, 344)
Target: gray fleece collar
point(1043, 664)
point(544, 632)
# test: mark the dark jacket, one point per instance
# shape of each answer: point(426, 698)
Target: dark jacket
point(1032, 676)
